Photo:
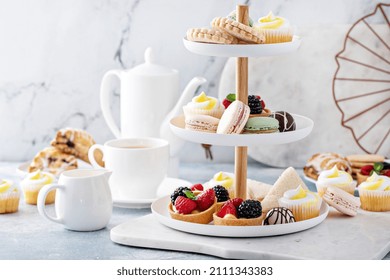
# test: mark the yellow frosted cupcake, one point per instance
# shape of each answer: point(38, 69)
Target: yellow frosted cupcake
point(32, 184)
point(9, 197)
point(204, 105)
point(276, 29)
point(375, 193)
point(303, 203)
point(337, 179)
point(223, 179)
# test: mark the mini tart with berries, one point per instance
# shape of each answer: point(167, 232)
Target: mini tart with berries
point(192, 206)
point(380, 168)
point(255, 103)
point(222, 195)
point(238, 212)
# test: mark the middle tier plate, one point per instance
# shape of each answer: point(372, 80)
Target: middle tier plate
point(304, 127)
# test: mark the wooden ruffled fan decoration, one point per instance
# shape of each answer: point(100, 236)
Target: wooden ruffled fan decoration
point(361, 84)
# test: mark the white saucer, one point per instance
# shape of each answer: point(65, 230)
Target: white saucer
point(166, 188)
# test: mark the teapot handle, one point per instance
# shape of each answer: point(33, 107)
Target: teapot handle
point(105, 100)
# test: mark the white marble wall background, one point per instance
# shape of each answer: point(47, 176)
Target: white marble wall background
point(54, 53)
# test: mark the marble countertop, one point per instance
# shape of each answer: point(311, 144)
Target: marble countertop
point(26, 235)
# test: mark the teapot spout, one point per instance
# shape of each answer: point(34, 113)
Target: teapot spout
point(165, 132)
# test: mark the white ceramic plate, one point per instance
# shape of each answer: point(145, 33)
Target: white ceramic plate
point(160, 211)
point(165, 189)
point(304, 127)
point(23, 167)
point(250, 50)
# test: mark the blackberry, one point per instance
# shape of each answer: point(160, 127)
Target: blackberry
point(254, 104)
point(221, 193)
point(249, 209)
point(179, 192)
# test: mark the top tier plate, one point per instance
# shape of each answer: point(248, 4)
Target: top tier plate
point(250, 50)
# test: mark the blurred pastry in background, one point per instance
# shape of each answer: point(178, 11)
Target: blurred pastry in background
point(325, 161)
point(76, 142)
point(52, 160)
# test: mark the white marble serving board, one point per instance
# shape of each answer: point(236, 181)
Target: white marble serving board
point(366, 236)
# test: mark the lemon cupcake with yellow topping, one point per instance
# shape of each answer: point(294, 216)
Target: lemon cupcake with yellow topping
point(303, 203)
point(335, 178)
point(32, 184)
point(9, 197)
point(204, 105)
point(275, 28)
point(375, 193)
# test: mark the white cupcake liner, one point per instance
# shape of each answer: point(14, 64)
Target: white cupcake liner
point(302, 211)
point(376, 201)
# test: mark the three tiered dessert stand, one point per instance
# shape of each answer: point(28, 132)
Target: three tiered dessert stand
point(240, 141)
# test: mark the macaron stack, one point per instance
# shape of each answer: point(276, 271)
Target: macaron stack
point(206, 114)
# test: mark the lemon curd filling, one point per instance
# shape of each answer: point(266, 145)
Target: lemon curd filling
point(4, 185)
point(39, 175)
point(335, 177)
point(271, 21)
point(224, 180)
point(376, 183)
point(203, 101)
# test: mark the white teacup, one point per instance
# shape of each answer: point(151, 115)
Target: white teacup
point(139, 166)
point(83, 199)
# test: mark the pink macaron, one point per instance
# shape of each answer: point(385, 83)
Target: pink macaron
point(234, 118)
point(342, 201)
point(202, 123)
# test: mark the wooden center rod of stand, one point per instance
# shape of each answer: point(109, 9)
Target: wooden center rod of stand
point(241, 153)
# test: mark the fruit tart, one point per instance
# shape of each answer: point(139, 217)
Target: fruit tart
point(192, 206)
point(255, 103)
point(239, 212)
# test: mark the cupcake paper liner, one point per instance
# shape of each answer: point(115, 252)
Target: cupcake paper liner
point(376, 201)
point(9, 202)
point(303, 211)
point(277, 36)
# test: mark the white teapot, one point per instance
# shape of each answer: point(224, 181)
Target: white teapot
point(148, 92)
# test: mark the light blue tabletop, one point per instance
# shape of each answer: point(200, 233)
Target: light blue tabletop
point(26, 235)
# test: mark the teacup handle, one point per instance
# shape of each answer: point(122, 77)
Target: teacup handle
point(105, 100)
point(91, 155)
point(41, 202)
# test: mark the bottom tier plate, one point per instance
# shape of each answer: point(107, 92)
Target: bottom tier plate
point(160, 211)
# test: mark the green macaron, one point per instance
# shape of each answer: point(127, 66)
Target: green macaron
point(261, 125)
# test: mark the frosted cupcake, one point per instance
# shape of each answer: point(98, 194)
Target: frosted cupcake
point(32, 184)
point(204, 105)
point(223, 179)
point(375, 193)
point(335, 178)
point(276, 29)
point(9, 197)
point(303, 203)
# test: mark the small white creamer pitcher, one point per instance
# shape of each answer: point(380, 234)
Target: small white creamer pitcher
point(83, 199)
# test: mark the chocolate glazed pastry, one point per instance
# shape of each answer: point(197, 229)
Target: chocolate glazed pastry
point(76, 142)
point(286, 121)
point(279, 215)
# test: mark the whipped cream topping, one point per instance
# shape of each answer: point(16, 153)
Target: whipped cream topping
point(300, 196)
point(335, 177)
point(271, 21)
point(8, 189)
point(38, 178)
point(376, 183)
point(202, 101)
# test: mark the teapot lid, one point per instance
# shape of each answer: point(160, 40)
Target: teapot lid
point(150, 68)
